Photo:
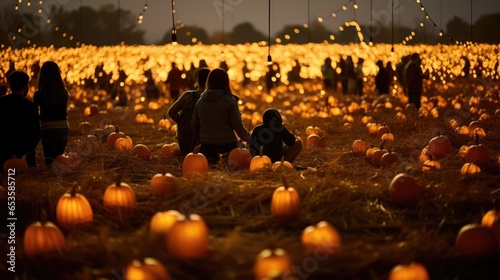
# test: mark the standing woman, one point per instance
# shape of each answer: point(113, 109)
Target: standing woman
point(218, 117)
point(52, 99)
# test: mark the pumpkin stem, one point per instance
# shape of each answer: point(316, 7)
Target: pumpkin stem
point(282, 159)
point(196, 149)
point(285, 183)
point(261, 150)
point(382, 144)
point(118, 181)
point(43, 217)
point(73, 191)
point(117, 129)
point(476, 137)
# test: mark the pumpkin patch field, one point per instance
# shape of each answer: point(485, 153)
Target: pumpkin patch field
point(381, 189)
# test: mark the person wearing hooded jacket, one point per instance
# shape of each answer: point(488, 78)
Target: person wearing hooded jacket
point(218, 117)
point(277, 140)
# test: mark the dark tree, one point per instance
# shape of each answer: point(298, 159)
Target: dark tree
point(458, 29)
point(187, 35)
point(245, 33)
point(486, 29)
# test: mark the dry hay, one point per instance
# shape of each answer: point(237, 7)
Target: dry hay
point(337, 186)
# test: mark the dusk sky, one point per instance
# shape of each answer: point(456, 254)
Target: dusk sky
point(207, 13)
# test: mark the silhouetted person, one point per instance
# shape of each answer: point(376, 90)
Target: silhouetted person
point(351, 75)
point(328, 74)
point(152, 91)
point(272, 76)
point(174, 82)
point(390, 72)
point(246, 74)
point(344, 81)
point(52, 98)
point(400, 69)
point(382, 80)
point(294, 74)
point(277, 140)
point(223, 65)
point(3, 90)
point(218, 117)
point(414, 80)
point(19, 121)
point(182, 110)
point(478, 68)
point(359, 77)
point(191, 76)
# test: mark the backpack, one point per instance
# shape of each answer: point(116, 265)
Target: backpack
point(184, 132)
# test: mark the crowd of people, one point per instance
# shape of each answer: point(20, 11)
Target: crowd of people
point(203, 105)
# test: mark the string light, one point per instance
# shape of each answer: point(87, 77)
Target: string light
point(140, 18)
point(174, 31)
point(269, 58)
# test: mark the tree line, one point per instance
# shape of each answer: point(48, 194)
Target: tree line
point(110, 26)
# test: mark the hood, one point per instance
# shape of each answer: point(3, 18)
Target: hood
point(272, 116)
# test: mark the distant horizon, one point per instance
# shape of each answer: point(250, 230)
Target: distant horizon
point(208, 15)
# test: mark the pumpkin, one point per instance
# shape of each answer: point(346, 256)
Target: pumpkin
point(161, 185)
point(381, 130)
point(314, 141)
point(195, 165)
point(171, 150)
point(285, 201)
point(260, 161)
point(469, 169)
point(162, 222)
point(462, 152)
point(85, 127)
point(119, 198)
point(73, 209)
point(413, 271)
point(359, 146)
point(91, 110)
point(113, 136)
point(478, 154)
point(321, 238)
point(282, 164)
point(124, 144)
point(490, 217)
point(370, 151)
point(475, 240)
point(141, 151)
point(388, 159)
point(312, 129)
point(66, 159)
point(473, 125)
point(239, 159)
point(272, 263)
point(440, 147)
point(431, 165)
point(15, 164)
point(188, 237)
point(372, 129)
point(164, 123)
point(141, 118)
point(42, 237)
point(108, 129)
point(147, 269)
point(377, 157)
point(404, 189)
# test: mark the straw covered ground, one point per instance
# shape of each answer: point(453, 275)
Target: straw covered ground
point(335, 185)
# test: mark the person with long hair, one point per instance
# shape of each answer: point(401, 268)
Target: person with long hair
point(218, 117)
point(52, 99)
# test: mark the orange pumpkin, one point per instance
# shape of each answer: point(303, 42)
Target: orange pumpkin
point(141, 151)
point(282, 164)
point(148, 269)
point(478, 154)
point(462, 152)
point(490, 217)
point(414, 271)
point(359, 146)
point(322, 238)
point(314, 141)
point(389, 137)
point(73, 209)
point(404, 189)
point(440, 147)
point(124, 144)
point(42, 237)
point(285, 201)
point(188, 237)
point(260, 162)
point(475, 240)
point(377, 157)
point(66, 159)
point(388, 159)
point(381, 130)
point(161, 185)
point(91, 110)
point(113, 136)
point(171, 150)
point(162, 222)
point(195, 165)
point(431, 165)
point(85, 127)
point(272, 263)
point(470, 169)
point(15, 164)
point(164, 123)
point(239, 159)
point(119, 198)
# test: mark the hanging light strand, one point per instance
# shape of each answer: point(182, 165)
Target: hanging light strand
point(140, 18)
point(428, 17)
point(174, 31)
point(269, 58)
